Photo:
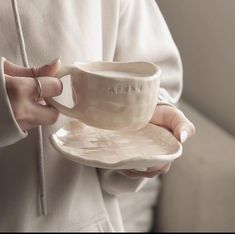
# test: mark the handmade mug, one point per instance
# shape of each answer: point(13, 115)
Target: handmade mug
point(112, 95)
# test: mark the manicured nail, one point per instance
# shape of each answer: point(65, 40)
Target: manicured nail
point(183, 136)
point(53, 62)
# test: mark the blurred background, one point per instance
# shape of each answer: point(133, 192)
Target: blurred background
point(198, 194)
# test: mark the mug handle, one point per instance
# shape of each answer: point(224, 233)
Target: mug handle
point(64, 71)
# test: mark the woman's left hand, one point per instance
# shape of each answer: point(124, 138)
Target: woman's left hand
point(175, 121)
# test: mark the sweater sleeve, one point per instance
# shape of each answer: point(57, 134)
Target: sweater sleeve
point(10, 131)
point(143, 35)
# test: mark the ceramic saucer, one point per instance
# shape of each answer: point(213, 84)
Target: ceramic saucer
point(149, 146)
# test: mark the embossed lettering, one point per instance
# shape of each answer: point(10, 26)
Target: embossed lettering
point(111, 90)
point(125, 89)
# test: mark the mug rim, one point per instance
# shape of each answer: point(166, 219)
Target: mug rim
point(155, 73)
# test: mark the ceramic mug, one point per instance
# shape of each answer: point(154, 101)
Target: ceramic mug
point(112, 95)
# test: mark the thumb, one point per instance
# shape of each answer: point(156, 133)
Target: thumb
point(181, 126)
point(49, 69)
point(175, 121)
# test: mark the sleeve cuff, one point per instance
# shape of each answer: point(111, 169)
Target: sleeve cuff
point(164, 99)
point(10, 131)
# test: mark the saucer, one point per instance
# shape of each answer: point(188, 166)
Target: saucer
point(147, 147)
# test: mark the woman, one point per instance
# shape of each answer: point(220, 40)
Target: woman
point(41, 191)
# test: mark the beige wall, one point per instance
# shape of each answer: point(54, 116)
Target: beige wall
point(204, 31)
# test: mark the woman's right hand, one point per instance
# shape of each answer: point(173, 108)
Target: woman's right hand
point(22, 89)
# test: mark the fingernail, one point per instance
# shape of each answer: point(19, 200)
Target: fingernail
point(183, 136)
point(53, 62)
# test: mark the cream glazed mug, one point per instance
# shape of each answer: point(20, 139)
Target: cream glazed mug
point(112, 95)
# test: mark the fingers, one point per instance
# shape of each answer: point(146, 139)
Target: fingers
point(29, 113)
point(182, 127)
point(175, 121)
point(50, 86)
point(149, 173)
point(25, 126)
point(19, 87)
point(50, 69)
point(12, 69)
point(23, 91)
point(42, 115)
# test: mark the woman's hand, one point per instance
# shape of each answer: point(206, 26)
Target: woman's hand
point(22, 89)
point(175, 121)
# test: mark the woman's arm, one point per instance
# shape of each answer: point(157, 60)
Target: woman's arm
point(144, 35)
point(19, 111)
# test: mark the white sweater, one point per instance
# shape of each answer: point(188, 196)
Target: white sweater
point(79, 198)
